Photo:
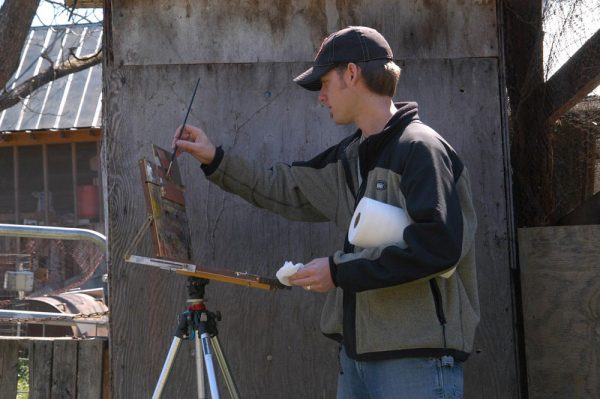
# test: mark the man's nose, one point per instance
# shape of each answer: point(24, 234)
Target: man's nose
point(322, 97)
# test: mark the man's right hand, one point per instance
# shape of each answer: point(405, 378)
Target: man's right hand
point(194, 141)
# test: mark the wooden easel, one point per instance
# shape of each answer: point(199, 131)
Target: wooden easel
point(169, 226)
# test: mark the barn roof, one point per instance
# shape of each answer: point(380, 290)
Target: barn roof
point(73, 101)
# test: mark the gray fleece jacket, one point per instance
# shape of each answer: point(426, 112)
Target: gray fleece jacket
point(390, 301)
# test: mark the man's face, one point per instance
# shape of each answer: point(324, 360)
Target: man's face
point(334, 94)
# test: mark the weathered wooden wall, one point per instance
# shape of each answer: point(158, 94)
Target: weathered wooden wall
point(245, 54)
point(58, 367)
point(561, 310)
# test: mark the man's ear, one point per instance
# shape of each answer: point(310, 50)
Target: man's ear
point(352, 72)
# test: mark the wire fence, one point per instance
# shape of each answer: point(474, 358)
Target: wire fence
point(575, 138)
point(56, 267)
point(567, 25)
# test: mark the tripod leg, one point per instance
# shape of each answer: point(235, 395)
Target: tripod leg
point(166, 368)
point(210, 369)
point(233, 391)
point(199, 368)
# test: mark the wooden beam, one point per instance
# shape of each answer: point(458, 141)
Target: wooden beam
point(574, 80)
point(85, 3)
point(586, 213)
point(39, 137)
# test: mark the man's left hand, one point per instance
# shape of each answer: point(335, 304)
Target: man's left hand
point(314, 276)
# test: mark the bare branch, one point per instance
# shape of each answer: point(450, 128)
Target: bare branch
point(15, 20)
point(84, 58)
point(12, 97)
point(45, 56)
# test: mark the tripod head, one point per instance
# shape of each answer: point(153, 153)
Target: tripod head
point(197, 313)
point(196, 287)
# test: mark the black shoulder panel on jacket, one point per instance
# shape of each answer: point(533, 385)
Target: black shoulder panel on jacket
point(419, 135)
point(329, 156)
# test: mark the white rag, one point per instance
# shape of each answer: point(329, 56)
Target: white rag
point(286, 271)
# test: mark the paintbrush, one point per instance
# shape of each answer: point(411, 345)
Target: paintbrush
point(182, 126)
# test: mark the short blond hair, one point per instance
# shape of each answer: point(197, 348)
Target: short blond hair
point(381, 76)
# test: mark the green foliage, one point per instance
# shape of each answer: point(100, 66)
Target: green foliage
point(23, 379)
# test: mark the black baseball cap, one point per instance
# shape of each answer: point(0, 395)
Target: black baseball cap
point(351, 44)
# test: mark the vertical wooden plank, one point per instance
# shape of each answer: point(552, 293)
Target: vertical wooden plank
point(9, 363)
point(99, 183)
point(64, 369)
point(89, 370)
point(561, 310)
point(74, 175)
point(46, 192)
point(16, 190)
point(40, 368)
point(105, 370)
point(16, 183)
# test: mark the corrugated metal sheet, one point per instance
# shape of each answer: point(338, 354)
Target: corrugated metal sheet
point(72, 101)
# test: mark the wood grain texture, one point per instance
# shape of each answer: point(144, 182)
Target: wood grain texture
point(272, 340)
point(58, 367)
point(40, 369)
point(561, 310)
point(64, 370)
point(89, 368)
point(217, 31)
point(9, 363)
point(267, 337)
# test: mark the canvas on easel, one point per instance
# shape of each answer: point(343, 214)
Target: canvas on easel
point(169, 226)
point(165, 202)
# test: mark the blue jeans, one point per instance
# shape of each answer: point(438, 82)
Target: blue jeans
point(407, 378)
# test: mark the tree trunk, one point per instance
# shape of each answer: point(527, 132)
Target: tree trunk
point(15, 21)
point(532, 155)
point(531, 148)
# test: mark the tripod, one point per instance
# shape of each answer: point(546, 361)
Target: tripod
point(199, 324)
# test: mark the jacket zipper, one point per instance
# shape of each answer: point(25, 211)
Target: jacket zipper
point(439, 308)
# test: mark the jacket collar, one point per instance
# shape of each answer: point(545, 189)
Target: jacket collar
point(407, 112)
